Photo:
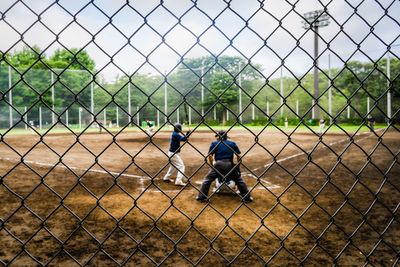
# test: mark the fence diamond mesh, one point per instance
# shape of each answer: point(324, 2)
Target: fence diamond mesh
point(116, 117)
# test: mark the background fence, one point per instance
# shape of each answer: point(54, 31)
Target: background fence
point(265, 72)
point(72, 90)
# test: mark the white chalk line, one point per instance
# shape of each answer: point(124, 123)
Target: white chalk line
point(266, 183)
point(325, 147)
point(143, 178)
point(117, 174)
point(272, 186)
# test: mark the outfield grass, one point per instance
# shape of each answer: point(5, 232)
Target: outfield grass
point(301, 129)
point(341, 128)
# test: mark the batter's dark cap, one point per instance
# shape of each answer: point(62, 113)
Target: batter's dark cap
point(221, 134)
point(177, 127)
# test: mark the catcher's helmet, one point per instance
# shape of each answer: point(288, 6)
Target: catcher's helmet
point(222, 135)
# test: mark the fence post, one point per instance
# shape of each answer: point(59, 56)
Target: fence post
point(117, 113)
point(137, 116)
point(368, 116)
point(297, 107)
point(92, 100)
point(215, 113)
point(253, 115)
point(190, 115)
point(330, 90)
point(268, 108)
point(105, 117)
point(177, 115)
point(348, 112)
point(26, 118)
point(389, 97)
point(240, 93)
point(165, 97)
point(158, 117)
point(129, 100)
point(281, 90)
point(227, 114)
point(53, 119)
point(202, 91)
point(66, 118)
point(40, 118)
point(10, 96)
point(80, 117)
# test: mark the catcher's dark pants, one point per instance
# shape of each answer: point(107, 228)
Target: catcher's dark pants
point(222, 168)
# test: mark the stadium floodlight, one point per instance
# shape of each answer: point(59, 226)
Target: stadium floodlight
point(314, 20)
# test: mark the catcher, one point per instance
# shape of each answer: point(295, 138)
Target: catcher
point(223, 168)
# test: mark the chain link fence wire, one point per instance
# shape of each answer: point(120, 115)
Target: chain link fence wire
point(81, 174)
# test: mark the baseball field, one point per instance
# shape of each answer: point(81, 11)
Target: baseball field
point(99, 199)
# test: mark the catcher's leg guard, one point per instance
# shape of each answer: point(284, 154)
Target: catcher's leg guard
point(226, 188)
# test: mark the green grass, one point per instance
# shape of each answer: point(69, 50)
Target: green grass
point(61, 130)
point(301, 129)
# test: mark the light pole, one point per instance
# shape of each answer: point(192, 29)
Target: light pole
point(314, 20)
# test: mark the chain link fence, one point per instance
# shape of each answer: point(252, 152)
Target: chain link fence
point(311, 98)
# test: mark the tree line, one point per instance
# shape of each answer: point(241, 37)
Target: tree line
point(219, 82)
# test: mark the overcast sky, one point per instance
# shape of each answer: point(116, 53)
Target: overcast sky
point(220, 26)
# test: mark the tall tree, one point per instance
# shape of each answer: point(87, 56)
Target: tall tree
point(29, 80)
point(230, 64)
point(224, 93)
point(28, 57)
point(72, 59)
point(74, 73)
point(204, 71)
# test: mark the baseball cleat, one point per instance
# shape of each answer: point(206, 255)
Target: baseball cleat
point(180, 183)
point(201, 199)
point(248, 199)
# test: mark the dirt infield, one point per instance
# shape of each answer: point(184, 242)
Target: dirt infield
point(89, 200)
